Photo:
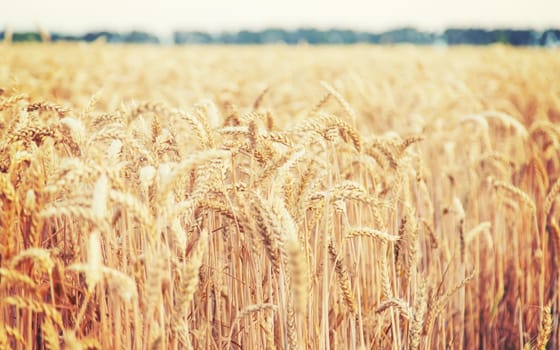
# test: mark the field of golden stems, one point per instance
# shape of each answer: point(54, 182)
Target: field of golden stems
point(279, 198)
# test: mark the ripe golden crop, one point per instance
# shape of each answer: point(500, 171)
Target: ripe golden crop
point(278, 197)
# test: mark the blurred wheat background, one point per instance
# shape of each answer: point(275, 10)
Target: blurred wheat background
point(279, 198)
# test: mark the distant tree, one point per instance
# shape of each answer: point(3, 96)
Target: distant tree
point(451, 36)
point(192, 38)
point(511, 37)
point(406, 35)
point(138, 37)
point(311, 36)
point(336, 36)
point(373, 38)
point(292, 37)
point(93, 36)
point(227, 38)
point(248, 37)
point(65, 37)
point(455, 36)
point(273, 36)
point(550, 37)
point(522, 37)
point(26, 37)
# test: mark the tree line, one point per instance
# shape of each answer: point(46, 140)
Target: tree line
point(451, 36)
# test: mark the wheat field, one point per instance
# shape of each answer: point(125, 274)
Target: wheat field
point(279, 197)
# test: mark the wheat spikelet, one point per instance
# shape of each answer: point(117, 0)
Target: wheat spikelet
point(12, 277)
point(418, 313)
point(133, 205)
point(536, 175)
point(283, 171)
point(268, 328)
point(554, 231)
point(75, 211)
point(483, 227)
point(324, 123)
point(190, 162)
point(431, 234)
point(260, 98)
point(109, 132)
point(300, 191)
point(90, 343)
point(279, 137)
point(200, 128)
point(439, 303)
point(47, 107)
point(12, 101)
point(217, 206)
point(340, 99)
point(155, 130)
point(551, 196)
point(545, 329)
point(497, 164)
point(29, 202)
point(16, 335)
point(120, 283)
point(233, 119)
point(264, 227)
point(514, 192)
point(291, 325)
point(406, 143)
point(270, 123)
point(248, 310)
point(406, 248)
point(274, 168)
point(152, 288)
point(50, 335)
point(106, 118)
point(508, 121)
point(235, 130)
point(376, 146)
point(35, 306)
point(412, 244)
point(371, 232)
point(350, 190)
point(343, 279)
point(313, 112)
point(207, 123)
point(460, 212)
point(158, 108)
point(32, 133)
point(40, 257)
point(211, 111)
point(8, 191)
point(190, 278)
point(251, 309)
point(385, 278)
point(298, 269)
point(94, 262)
point(401, 305)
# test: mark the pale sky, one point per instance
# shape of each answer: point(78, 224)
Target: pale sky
point(162, 16)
